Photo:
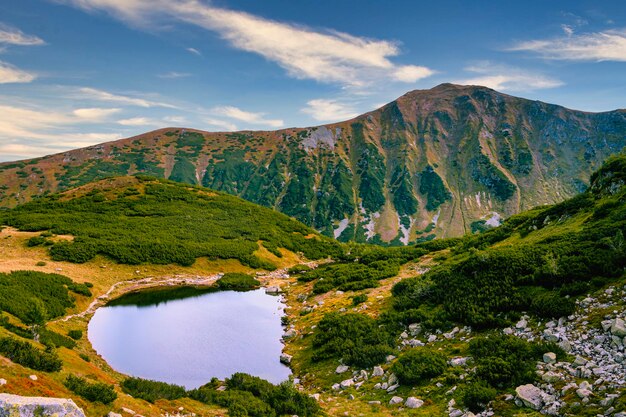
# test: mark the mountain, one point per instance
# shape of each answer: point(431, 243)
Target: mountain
point(433, 163)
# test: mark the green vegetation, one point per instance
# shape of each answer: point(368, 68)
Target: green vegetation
point(245, 396)
point(91, 391)
point(237, 282)
point(35, 297)
point(152, 390)
point(536, 261)
point(167, 223)
point(432, 186)
point(75, 334)
point(477, 395)
point(418, 364)
point(350, 276)
point(27, 355)
point(359, 299)
point(354, 338)
point(49, 338)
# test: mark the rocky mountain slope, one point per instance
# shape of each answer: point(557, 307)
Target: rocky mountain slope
point(433, 163)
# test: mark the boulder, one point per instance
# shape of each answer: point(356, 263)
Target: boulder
point(291, 333)
point(3, 381)
point(285, 358)
point(16, 405)
point(393, 379)
point(530, 396)
point(346, 383)
point(618, 328)
point(112, 414)
point(549, 357)
point(395, 400)
point(378, 371)
point(272, 290)
point(341, 369)
point(413, 402)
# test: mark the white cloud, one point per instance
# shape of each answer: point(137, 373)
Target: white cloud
point(137, 121)
point(28, 132)
point(325, 56)
point(609, 45)
point(246, 116)
point(505, 78)
point(194, 51)
point(174, 75)
point(12, 74)
point(94, 113)
point(12, 36)
point(105, 96)
point(221, 124)
point(328, 110)
point(411, 73)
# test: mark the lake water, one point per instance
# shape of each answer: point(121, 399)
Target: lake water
point(187, 338)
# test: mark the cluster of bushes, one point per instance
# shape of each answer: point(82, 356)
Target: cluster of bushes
point(35, 297)
point(238, 282)
point(350, 276)
point(245, 395)
point(25, 354)
point(419, 364)
point(152, 390)
point(15, 329)
point(93, 392)
point(49, 338)
point(166, 223)
point(356, 339)
point(482, 283)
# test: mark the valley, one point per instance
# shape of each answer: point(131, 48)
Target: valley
point(369, 330)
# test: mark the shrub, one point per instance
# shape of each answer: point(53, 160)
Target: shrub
point(355, 338)
point(237, 282)
point(27, 355)
point(477, 395)
point(91, 391)
point(419, 364)
point(41, 263)
point(359, 299)
point(50, 338)
point(152, 390)
point(84, 357)
point(75, 334)
point(552, 305)
point(299, 269)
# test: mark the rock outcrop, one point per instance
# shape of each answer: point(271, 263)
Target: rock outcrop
point(19, 406)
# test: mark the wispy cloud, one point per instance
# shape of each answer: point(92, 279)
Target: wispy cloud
point(246, 116)
point(27, 132)
point(12, 36)
point(194, 51)
point(174, 75)
point(506, 78)
point(221, 124)
point(328, 110)
point(137, 121)
point(105, 96)
point(609, 45)
point(11, 74)
point(322, 55)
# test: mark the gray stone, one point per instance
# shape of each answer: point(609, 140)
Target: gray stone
point(392, 388)
point(285, 358)
point(374, 402)
point(551, 377)
point(341, 369)
point(346, 383)
point(618, 328)
point(289, 334)
point(393, 379)
point(395, 400)
point(272, 290)
point(530, 396)
point(458, 361)
point(33, 377)
point(3, 381)
point(112, 414)
point(378, 371)
point(549, 357)
point(415, 329)
point(413, 402)
point(16, 405)
point(583, 393)
point(521, 324)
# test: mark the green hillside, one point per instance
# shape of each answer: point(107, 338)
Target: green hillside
point(135, 220)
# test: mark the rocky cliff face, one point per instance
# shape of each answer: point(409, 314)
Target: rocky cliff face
point(18, 406)
point(434, 163)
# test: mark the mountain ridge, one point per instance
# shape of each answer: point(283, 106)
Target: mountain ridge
point(432, 163)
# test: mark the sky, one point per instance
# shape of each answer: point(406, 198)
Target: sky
point(74, 73)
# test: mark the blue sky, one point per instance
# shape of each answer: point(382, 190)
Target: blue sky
point(79, 72)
